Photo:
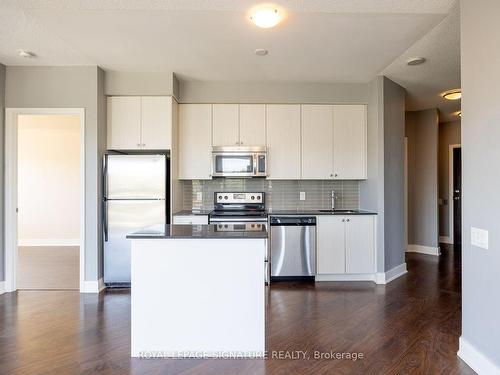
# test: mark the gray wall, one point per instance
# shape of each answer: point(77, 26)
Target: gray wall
point(480, 39)
point(71, 87)
point(2, 150)
point(132, 83)
point(449, 134)
point(394, 128)
point(383, 191)
point(422, 131)
point(272, 92)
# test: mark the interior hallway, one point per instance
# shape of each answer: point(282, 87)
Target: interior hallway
point(411, 325)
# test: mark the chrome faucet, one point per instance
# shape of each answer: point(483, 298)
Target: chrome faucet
point(333, 197)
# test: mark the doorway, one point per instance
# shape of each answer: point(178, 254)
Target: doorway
point(455, 194)
point(44, 199)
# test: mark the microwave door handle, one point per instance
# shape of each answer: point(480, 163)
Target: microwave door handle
point(255, 164)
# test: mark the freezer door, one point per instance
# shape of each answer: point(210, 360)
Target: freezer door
point(135, 176)
point(125, 217)
point(293, 250)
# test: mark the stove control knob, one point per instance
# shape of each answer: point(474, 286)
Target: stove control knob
point(226, 197)
point(220, 196)
point(258, 197)
point(252, 197)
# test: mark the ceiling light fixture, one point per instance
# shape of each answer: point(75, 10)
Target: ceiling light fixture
point(452, 94)
point(261, 52)
point(415, 61)
point(266, 17)
point(25, 54)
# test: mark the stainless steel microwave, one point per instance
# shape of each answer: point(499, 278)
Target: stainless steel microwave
point(239, 161)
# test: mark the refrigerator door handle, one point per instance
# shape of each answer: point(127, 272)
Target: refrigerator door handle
point(105, 218)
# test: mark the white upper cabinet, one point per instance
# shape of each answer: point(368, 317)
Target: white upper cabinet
point(124, 122)
point(349, 142)
point(252, 124)
point(225, 125)
point(156, 117)
point(195, 141)
point(283, 141)
point(139, 123)
point(360, 244)
point(317, 142)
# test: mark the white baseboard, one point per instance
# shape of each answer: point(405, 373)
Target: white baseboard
point(423, 250)
point(445, 239)
point(93, 286)
point(2, 287)
point(392, 274)
point(346, 277)
point(49, 242)
point(476, 360)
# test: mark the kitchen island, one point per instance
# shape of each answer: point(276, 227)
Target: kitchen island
point(197, 292)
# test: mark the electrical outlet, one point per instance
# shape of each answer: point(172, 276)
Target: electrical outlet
point(199, 196)
point(302, 196)
point(479, 237)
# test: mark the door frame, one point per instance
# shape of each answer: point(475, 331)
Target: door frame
point(451, 204)
point(11, 188)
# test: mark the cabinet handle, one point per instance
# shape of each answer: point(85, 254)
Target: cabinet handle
point(336, 175)
point(343, 220)
point(241, 143)
point(331, 175)
point(348, 220)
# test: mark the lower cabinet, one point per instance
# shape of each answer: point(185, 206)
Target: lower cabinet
point(345, 244)
point(191, 219)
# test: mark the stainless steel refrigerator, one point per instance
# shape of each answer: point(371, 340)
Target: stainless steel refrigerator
point(135, 196)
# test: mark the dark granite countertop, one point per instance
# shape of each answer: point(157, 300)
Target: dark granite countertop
point(191, 231)
point(277, 212)
point(314, 212)
point(192, 212)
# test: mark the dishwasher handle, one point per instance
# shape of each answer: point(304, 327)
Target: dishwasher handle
point(293, 221)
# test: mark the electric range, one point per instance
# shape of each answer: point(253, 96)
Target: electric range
point(239, 211)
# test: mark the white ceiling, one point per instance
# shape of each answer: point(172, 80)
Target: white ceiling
point(424, 83)
point(213, 40)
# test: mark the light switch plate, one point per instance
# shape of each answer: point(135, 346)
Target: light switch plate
point(479, 237)
point(302, 196)
point(199, 196)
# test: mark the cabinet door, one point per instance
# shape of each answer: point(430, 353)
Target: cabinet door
point(360, 244)
point(283, 141)
point(195, 141)
point(225, 125)
point(253, 124)
point(317, 142)
point(330, 240)
point(349, 142)
point(190, 219)
point(156, 122)
point(124, 122)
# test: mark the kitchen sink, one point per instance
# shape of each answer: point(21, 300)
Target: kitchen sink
point(340, 211)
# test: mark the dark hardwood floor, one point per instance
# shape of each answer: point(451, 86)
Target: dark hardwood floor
point(410, 326)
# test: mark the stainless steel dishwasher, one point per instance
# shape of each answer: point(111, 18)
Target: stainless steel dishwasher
point(293, 246)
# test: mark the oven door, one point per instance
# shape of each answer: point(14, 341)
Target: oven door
point(233, 164)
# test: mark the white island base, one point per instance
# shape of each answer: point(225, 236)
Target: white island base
point(198, 297)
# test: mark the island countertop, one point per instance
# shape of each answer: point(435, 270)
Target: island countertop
point(170, 231)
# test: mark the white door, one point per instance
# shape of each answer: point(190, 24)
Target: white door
point(195, 141)
point(124, 123)
point(283, 141)
point(317, 142)
point(330, 242)
point(253, 124)
point(156, 122)
point(349, 142)
point(360, 244)
point(225, 125)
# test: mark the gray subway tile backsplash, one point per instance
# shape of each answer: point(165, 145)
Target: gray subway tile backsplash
point(280, 194)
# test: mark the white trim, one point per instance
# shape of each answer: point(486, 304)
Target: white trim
point(2, 287)
point(49, 242)
point(445, 239)
point(392, 274)
point(476, 359)
point(93, 286)
point(10, 197)
point(450, 191)
point(423, 250)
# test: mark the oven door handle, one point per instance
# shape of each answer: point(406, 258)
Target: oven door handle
point(239, 220)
